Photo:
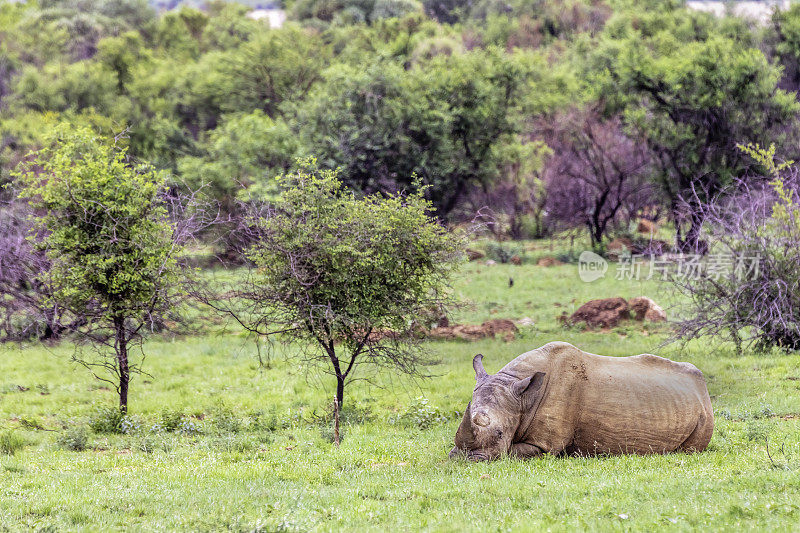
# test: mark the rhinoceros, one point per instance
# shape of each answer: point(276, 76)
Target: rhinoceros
point(558, 399)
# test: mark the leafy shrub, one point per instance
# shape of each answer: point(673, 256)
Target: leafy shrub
point(175, 421)
point(269, 421)
point(420, 414)
point(394, 8)
point(570, 257)
point(171, 420)
point(224, 420)
point(75, 439)
point(503, 252)
point(30, 422)
point(106, 419)
point(11, 442)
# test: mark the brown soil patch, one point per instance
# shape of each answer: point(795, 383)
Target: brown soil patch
point(604, 313)
point(609, 312)
point(548, 262)
point(497, 327)
point(474, 255)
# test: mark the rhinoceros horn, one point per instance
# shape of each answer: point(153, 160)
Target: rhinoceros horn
point(477, 364)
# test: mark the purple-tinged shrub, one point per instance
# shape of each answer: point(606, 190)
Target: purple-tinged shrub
point(755, 231)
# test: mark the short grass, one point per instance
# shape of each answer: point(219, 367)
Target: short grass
point(256, 452)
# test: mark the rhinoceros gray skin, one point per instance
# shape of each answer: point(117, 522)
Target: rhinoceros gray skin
point(558, 399)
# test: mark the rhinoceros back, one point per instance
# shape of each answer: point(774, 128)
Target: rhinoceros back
point(595, 404)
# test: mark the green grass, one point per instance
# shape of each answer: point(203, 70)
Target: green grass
point(263, 459)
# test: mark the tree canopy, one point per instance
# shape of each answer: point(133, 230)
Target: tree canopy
point(111, 246)
point(446, 91)
point(344, 277)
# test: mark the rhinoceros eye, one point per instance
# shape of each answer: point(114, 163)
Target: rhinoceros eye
point(480, 419)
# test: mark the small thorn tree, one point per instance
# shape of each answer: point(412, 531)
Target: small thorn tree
point(104, 225)
point(343, 277)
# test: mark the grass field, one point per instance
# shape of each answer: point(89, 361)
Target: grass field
point(255, 450)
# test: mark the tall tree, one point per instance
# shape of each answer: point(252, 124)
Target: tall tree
point(692, 103)
point(445, 120)
point(112, 247)
point(342, 277)
point(597, 172)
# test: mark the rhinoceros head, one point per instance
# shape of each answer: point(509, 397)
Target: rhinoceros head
point(492, 417)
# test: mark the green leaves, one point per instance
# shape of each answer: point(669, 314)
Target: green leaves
point(103, 225)
point(693, 100)
point(341, 265)
point(445, 120)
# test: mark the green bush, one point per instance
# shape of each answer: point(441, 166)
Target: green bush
point(75, 439)
point(269, 421)
point(171, 420)
point(420, 414)
point(11, 442)
point(224, 420)
point(503, 252)
point(106, 419)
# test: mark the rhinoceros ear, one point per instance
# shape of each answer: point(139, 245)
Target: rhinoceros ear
point(528, 389)
point(477, 364)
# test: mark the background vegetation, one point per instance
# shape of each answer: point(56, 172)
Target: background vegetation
point(488, 104)
point(572, 122)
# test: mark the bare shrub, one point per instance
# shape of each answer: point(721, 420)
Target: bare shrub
point(597, 175)
point(755, 302)
point(25, 308)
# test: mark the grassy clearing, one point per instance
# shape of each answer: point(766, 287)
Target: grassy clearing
point(252, 450)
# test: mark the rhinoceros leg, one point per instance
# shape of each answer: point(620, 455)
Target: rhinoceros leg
point(523, 450)
point(698, 440)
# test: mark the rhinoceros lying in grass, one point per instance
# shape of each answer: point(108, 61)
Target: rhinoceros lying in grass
point(558, 399)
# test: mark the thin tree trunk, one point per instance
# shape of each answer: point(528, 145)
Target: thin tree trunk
point(691, 242)
point(336, 407)
point(122, 363)
point(340, 390)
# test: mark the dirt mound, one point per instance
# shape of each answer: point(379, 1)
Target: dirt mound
point(474, 255)
point(646, 226)
point(515, 260)
point(620, 244)
point(643, 308)
point(498, 327)
point(548, 262)
point(604, 313)
point(609, 312)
